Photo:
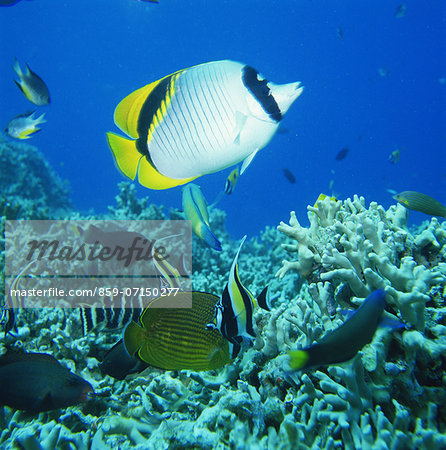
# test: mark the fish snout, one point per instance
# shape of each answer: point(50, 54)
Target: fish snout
point(286, 94)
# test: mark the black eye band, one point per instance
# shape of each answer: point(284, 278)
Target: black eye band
point(260, 90)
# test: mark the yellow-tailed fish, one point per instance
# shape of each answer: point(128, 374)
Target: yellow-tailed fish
point(417, 201)
point(31, 85)
point(24, 126)
point(323, 197)
point(177, 338)
point(344, 342)
point(231, 181)
point(197, 121)
point(195, 209)
point(234, 311)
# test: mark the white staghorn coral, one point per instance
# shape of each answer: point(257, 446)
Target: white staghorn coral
point(368, 249)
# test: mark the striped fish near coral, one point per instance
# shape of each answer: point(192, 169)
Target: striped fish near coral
point(416, 201)
point(197, 121)
point(176, 338)
point(195, 209)
point(234, 311)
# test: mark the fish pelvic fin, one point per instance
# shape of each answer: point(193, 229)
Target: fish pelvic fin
point(298, 359)
point(125, 153)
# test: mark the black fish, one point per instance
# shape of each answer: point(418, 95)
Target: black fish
point(36, 382)
point(342, 154)
point(289, 176)
point(118, 363)
point(342, 344)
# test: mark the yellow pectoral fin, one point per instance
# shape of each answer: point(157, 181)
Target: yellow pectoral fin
point(149, 177)
point(128, 110)
point(126, 155)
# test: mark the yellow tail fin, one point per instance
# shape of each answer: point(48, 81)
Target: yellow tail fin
point(298, 359)
point(126, 155)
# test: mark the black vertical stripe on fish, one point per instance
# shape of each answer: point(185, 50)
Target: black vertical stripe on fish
point(229, 321)
point(260, 90)
point(248, 304)
point(109, 318)
point(148, 112)
point(262, 299)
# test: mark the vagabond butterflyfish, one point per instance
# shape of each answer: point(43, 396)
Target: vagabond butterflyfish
point(234, 311)
point(344, 342)
point(195, 209)
point(197, 121)
point(31, 85)
point(177, 338)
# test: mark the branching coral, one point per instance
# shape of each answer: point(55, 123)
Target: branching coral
point(367, 249)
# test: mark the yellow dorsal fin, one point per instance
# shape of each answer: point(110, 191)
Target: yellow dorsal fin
point(149, 177)
point(126, 155)
point(127, 112)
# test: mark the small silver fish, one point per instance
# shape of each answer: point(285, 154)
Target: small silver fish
point(24, 125)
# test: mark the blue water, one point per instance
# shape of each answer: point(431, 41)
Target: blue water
point(92, 53)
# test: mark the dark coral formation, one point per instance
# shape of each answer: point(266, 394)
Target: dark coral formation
point(29, 187)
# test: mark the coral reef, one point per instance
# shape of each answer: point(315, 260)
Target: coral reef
point(392, 395)
point(367, 249)
point(30, 189)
